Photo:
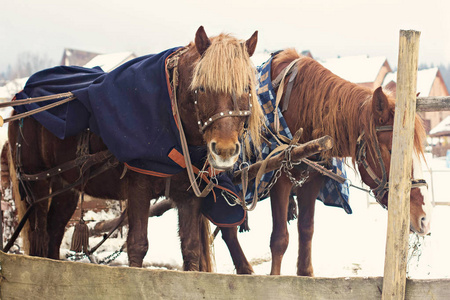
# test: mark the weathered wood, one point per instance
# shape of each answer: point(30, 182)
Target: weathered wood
point(425, 104)
point(304, 150)
point(24, 277)
point(394, 282)
point(155, 210)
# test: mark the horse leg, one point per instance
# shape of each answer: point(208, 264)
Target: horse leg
point(141, 189)
point(61, 210)
point(306, 198)
point(189, 223)
point(229, 235)
point(279, 240)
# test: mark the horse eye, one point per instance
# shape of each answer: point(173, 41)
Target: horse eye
point(247, 89)
point(201, 89)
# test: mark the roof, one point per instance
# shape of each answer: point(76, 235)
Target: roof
point(357, 69)
point(425, 80)
point(73, 57)
point(109, 62)
point(442, 128)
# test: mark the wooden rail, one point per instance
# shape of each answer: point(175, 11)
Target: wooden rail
point(26, 277)
point(426, 104)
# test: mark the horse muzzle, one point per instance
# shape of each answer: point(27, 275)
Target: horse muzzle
point(223, 155)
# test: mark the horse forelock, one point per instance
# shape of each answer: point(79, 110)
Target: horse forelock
point(225, 67)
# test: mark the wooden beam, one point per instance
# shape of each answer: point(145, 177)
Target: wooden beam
point(394, 282)
point(425, 104)
point(25, 277)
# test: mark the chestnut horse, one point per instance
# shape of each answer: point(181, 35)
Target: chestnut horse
point(215, 76)
point(360, 122)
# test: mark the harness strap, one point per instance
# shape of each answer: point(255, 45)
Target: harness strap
point(280, 93)
point(287, 95)
point(85, 161)
point(223, 114)
point(184, 145)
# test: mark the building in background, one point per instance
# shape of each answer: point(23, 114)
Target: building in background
point(362, 69)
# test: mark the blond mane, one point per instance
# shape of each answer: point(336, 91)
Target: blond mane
point(226, 67)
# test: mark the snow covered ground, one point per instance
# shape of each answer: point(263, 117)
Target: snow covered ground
point(343, 245)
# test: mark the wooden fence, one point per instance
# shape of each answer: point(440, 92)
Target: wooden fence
point(25, 277)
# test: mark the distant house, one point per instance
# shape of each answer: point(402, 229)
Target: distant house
point(362, 69)
point(72, 57)
point(430, 83)
point(109, 62)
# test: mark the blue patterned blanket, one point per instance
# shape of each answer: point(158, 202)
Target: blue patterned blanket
point(332, 193)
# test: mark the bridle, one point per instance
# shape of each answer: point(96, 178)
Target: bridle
point(237, 112)
point(382, 183)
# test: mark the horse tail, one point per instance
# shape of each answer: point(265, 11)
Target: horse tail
point(207, 258)
point(20, 204)
point(4, 166)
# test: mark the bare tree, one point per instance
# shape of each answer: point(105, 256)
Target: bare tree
point(28, 63)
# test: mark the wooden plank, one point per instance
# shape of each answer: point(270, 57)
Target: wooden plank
point(394, 281)
point(425, 104)
point(23, 276)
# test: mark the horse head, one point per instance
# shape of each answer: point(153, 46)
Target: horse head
point(219, 103)
point(374, 160)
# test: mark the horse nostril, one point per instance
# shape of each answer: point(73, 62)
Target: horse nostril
point(213, 147)
point(238, 148)
point(423, 221)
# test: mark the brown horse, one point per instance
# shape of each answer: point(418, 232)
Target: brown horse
point(360, 122)
point(215, 76)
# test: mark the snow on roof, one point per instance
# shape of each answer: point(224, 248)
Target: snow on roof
point(442, 128)
point(425, 80)
point(357, 69)
point(109, 62)
point(12, 87)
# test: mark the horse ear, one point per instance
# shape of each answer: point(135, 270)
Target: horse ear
point(380, 107)
point(251, 43)
point(202, 42)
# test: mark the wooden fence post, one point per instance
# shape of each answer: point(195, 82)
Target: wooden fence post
point(394, 281)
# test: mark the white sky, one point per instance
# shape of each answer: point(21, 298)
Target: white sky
point(325, 27)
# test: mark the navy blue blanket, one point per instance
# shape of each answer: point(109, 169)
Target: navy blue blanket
point(129, 108)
